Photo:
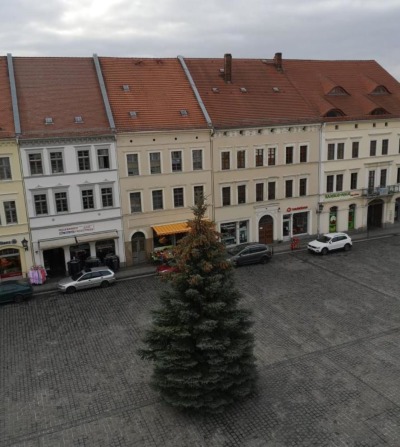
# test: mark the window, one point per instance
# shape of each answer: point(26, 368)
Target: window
point(56, 162)
point(289, 155)
point(178, 198)
point(103, 158)
point(271, 156)
point(158, 203)
point(398, 175)
point(329, 183)
point(241, 191)
point(107, 197)
point(259, 157)
point(259, 192)
point(61, 201)
point(84, 160)
point(354, 149)
point(340, 151)
point(241, 159)
point(40, 201)
point(197, 158)
point(226, 195)
point(132, 162)
point(289, 188)
point(383, 177)
point(303, 154)
point(136, 202)
point(87, 199)
point(372, 148)
point(339, 182)
point(35, 164)
point(225, 160)
point(155, 163)
point(198, 194)
point(271, 190)
point(10, 212)
point(371, 179)
point(385, 147)
point(353, 180)
point(176, 161)
point(331, 151)
point(303, 187)
point(5, 168)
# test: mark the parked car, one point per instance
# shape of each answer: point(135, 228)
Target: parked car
point(330, 242)
point(249, 253)
point(86, 279)
point(15, 290)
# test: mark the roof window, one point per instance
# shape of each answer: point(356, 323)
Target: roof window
point(133, 114)
point(215, 90)
point(380, 90)
point(379, 111)
point(243, 89)
point(275, 89)
point(48, 120)
point(184, 112)
point(78, 119)
point(125, 88)
point(338, 91)
point(334, 112)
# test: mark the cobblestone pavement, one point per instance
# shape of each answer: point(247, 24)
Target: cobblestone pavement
point(327, 342)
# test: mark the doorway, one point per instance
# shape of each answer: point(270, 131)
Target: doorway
point(266, 230)
point(138, 248)
point(375, 212)
point(54, 261)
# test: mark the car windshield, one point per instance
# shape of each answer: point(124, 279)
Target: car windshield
point(235, 250)
point(324, 239)
point(76, 276)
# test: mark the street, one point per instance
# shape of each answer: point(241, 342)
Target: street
point(327, 334)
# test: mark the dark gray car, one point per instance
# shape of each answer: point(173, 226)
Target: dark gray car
point(249, 253)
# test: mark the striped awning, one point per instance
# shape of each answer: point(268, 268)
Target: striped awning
point(164, 230)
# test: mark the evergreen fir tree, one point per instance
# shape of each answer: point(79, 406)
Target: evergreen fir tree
point(200, 340)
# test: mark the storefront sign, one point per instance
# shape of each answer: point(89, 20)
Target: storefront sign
point(335, 195)
point(297, 208)
point(75, 229)
point(12, 242)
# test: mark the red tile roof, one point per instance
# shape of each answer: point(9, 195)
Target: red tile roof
point(61, 89)
point(158, 91)
point(6, 112)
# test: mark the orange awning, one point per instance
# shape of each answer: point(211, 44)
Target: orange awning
point(164, 230)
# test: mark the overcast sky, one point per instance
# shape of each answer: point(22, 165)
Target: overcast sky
point(300, 29)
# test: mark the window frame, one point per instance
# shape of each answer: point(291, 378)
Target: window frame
point(241, 191)
point(153, 163)
point(303, 187)
point(303, 153)
point(177, 162)
point(225, 160)
point(139, 194)
point(226, 198)
point(272, 156)
point(178, 194)
point(54, 162)
point(241, 159)
point(198, 160)
point(59, 200)
point(84, 160)
point(5, 169)
point(160, 199)
point(353, 180)
point(385, 146)
point(271, 190)
point(196, 195)
point(259, 192)
point(372, 148)
point(355, 148)
point(289, 190)
point(107, 196)
point(103, 160)
point(11, 217)
point(87, 200)
point(38, 163)
point(259, 157)
point(130, 165)
point(41, 203)
point(289, 155)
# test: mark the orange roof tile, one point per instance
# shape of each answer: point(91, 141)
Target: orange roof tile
point(6, 111)
point(158, 91)
point(61, 89)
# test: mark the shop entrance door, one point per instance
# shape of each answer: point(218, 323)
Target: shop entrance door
point(138, 248)
point(375, 211)
point(266, 230)
point(54, 262)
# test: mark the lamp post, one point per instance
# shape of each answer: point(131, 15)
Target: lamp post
point(319, 211)
point(24, 243)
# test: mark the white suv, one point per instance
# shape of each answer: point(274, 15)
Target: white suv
point(329, 242)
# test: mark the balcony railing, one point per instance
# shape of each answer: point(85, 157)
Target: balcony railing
point(380, 191)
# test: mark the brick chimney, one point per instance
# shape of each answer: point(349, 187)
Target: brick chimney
point(228, 68)
point(278, 61)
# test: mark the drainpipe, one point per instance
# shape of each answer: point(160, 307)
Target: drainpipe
point(320, 177)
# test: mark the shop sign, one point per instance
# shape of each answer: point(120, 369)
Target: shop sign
point(335, 195)
point(75, 229)
point(12, 242)
point(297, 208)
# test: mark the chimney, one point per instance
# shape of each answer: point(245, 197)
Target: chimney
point(278, 61)
point(228, 68)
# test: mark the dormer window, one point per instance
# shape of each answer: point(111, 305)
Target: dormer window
point(78, 119)
point(338, 91)
point(133, 114)
point(215, 90)
point(379, 111)
point(243, 89)
point(333, 113)
point(48, 120)
point(380, 90)
point(125, 88)
point(184, 112)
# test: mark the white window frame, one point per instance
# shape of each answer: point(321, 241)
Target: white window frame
point(183, 196)
point(94, 198)
point(58, 191)
point(138, 164)
point(162, 198)
point(160, 159)
point(181, 160)
point(202, 159)
point(141, 202)
point(5, 168)
point(41, 162)
point(44, 193)
point(98, 157)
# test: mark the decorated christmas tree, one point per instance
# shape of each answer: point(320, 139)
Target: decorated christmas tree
point(200, 340)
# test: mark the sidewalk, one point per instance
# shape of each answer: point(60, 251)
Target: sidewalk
point(279, 247)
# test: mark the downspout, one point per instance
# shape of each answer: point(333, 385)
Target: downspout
point(208, 120)
point(14, 98)
point(320, 177)
point(104, 92)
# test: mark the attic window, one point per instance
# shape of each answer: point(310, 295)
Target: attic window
point(221, 70)
point(48, 120)
point(133, 114)
point(184, 112)
point(215, 90)
point(379, 111)
point(338, 91)
point(243, 89)
point(275, 89)
point(334, 112)
point(78, 119)
point(380, 90)
point(125, 88)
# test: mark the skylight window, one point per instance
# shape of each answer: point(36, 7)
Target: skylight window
point(275, 89)
point(125, 88)
point(215, 90)
point(78, 119)
point(48, 120)
point(133, 114)
point(184, 112)
point(243, 89)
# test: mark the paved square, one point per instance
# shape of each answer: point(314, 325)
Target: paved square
point(327, 343)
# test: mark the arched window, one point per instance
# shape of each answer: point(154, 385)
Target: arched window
point(379, 111)
point(338, 91)
point(334, 112)
point(380, 90)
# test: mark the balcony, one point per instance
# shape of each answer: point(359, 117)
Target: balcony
point(380, 191)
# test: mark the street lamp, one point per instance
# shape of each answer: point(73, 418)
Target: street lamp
point(319, 211)
point(24, 243)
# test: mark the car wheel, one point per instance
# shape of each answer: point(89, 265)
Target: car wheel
point(18, 298)
point(71, 290)
point(104, 284)
point(324, 251)
point(347, 247)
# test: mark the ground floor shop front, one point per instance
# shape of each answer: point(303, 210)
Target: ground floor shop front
point(15, 256)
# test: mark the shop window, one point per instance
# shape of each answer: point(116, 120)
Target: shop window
point(332, 219)
point(300, 223)
point(104, 248)
point(234, 232)
point(352, 216)
point(10, 263)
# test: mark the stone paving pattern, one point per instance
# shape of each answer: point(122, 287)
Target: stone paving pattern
point(327, 343)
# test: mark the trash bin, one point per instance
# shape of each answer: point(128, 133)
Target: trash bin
point(74, 266)
point(112, 262)
point(92, 261)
